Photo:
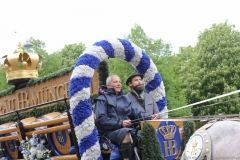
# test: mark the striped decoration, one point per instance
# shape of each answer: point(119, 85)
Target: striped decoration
point(80, 81)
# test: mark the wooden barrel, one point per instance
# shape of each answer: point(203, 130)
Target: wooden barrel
point(10, 146)
point(59, 141)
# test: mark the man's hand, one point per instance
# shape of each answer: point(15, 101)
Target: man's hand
point(155, 116)
point(126, 123)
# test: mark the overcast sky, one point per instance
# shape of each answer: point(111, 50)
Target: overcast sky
point(62, 22)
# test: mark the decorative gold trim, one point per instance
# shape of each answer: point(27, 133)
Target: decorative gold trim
point(22, 74)
point(206, 149)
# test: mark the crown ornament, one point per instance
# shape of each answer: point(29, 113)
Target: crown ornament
point(21, 66)
point(168, 131)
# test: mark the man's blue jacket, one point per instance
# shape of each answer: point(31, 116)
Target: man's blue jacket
point(112, 109)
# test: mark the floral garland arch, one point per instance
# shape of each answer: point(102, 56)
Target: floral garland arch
point(80, 82)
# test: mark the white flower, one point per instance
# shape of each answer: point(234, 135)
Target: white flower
point(34, 149)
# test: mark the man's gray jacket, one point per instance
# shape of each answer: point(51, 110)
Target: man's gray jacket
point(150, 105)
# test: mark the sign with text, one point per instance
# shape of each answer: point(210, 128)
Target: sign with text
point(59, 142)
point(50, 90)
point(169, 138)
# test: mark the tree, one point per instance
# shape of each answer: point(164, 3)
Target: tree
point(215, 70)
point(39, 48)
point(166, 63)
point(153, 47)
point(3, 81)
point(122, 69)
point(151, 148)
point(54, 64)
point(70, 54)
point(103, 72)
point(160, 53)
point(183, 67)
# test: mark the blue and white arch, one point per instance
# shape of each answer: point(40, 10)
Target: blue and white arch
point(79, 88)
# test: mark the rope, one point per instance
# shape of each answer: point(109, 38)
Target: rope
point(190, 105)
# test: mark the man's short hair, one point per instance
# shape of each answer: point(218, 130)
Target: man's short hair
point(109, 79)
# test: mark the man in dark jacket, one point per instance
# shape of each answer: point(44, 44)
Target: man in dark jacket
point(114, 113)
point(137, 95)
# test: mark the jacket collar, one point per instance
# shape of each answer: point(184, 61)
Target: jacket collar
point(104, 90)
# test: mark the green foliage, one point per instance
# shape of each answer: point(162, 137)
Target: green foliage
point(122, 69)
point(188, 130)
point(103, 72)
point(39, 48)
point(50, 76)
point(166, 64)
point(70, 54)
point(3, 81)
point(173, 84)
point(151, 148)
point(20, 65)
point(54, 61)
point(152, 47)
point(67, 57)
point(93, 97)
point(213, 70)
point(7, 91)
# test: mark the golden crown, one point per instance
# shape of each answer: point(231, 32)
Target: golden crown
point(60, 132)
point(20, 66)
point(168, 131)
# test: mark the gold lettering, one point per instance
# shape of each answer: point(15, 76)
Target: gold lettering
point(52, 93)
point(173, 146)
point(194, 147)
point(1, 108)
point(22, 99)
point(66, 85)
point(11, 105)
point(166, 148)
point(60, 89)
point(91, 89)
point(40, 97)
point(60, 138)
point(170, 145)
point(7, 108)
point(35, 99)
point(44, 95)
point(4, 108)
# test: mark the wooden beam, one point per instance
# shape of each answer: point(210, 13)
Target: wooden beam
point(49, 130)
point(63, 157)
point(46, 123)
point(9, 130)
point(7, 138)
